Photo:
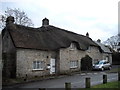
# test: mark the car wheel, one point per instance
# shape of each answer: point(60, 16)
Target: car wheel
point(102, 69)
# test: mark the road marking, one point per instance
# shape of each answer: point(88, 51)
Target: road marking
point(77, 74)
point(103, 72)
point(83, 74)
point(95, 73)
point(89, 73)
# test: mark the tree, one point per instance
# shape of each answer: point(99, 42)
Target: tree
point(21, 17)
point(112, 41)
point(2, 21)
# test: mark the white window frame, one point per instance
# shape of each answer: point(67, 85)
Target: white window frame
point(38, 65)
point(89, 49)
point(74, 64)
point(107, 58)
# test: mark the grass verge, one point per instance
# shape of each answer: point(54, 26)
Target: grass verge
point(115, 84)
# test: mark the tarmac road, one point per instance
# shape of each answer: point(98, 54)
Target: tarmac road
point(77, 81)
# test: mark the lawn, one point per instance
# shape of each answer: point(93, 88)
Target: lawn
point(115, 84)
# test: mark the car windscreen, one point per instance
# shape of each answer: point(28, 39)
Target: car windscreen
point(99, 62)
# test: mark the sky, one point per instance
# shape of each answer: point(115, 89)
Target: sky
point(97, 17)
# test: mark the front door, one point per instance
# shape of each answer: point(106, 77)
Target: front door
point(52, 66)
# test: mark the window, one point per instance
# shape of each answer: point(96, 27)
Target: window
point(107, 58)
point(72, 46)
point(97, 50)
point(95, 61)
point(73, 64)
point(38, 65)
point(105, 62)
point(89, 49)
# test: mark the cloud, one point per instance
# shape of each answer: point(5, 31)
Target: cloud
point(98, 17)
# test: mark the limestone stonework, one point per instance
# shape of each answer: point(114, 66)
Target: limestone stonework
point(24, 48)
point(25, 58)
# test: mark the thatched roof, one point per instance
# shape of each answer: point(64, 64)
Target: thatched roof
point(104, 48)
point(47, 38)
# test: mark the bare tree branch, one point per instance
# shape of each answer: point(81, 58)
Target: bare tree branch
point(20, 17)
point(112, 41)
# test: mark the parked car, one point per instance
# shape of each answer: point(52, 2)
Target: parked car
point(102, 65)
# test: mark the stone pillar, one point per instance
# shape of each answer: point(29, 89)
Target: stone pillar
point(104, 79)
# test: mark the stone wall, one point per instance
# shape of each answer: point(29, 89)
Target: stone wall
point(94, 53)
point(25, 58)
point(8, 56)
point(68, 54)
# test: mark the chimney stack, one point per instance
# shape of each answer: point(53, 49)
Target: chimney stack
point(99, 41)
point(87, 34)
point(9, 20)
point(45, 22)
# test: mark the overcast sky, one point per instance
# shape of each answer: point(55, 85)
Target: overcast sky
point(97, 17)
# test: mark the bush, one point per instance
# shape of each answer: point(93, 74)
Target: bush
point(115, 58)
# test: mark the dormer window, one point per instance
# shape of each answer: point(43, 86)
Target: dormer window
point(72, 46)
point(89, 49)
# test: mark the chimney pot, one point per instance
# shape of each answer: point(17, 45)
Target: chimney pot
point(99, 40)
point(87, 34)
point(45, 22)
point(10, 19)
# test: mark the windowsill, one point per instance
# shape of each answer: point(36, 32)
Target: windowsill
point(72, 49)
point(37, 69)
point(73, 67)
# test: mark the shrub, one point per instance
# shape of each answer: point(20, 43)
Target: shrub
point(115, 58)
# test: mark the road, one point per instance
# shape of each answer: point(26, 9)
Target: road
point(77, 81)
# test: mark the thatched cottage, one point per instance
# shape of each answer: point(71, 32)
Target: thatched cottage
point(106, 52)
point(43, 51)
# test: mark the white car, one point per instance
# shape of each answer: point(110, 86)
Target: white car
point(102, 65)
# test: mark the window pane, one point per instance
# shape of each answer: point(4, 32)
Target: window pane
point(38, 64)
point(42, 64)
point(73, 64)
point(34, 64)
